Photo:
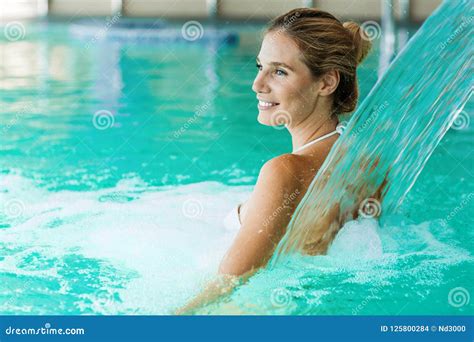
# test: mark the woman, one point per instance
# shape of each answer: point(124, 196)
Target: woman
point(306, 76)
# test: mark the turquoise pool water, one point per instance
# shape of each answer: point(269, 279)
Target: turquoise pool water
point(120, 161)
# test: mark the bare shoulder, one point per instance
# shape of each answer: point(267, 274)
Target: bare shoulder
point(284, 170)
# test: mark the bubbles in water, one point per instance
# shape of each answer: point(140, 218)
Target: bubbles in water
point(357, 239)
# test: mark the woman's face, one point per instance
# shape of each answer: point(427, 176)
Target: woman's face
point(286, 90)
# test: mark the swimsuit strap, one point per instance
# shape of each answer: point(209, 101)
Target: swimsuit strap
point(318, 139)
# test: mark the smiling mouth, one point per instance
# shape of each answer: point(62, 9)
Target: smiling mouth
point(266, 105)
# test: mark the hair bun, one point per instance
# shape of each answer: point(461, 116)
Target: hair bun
point(362, 43)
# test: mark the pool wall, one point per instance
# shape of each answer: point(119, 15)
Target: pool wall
point(243, 10)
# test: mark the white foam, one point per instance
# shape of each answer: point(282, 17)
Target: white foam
point(172, 238)
point(357, 239)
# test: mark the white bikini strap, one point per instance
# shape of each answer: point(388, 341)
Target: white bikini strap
point(316, 140)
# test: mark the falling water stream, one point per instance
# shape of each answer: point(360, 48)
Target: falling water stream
point(389, 139)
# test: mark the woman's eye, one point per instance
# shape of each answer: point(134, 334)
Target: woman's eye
point(280, 72)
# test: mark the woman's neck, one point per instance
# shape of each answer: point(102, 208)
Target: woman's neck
point(313, 127)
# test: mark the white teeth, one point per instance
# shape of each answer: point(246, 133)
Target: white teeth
point(266, 104)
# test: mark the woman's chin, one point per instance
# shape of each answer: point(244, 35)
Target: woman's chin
point(267, 118)
point(274, 118)
point(264, 119)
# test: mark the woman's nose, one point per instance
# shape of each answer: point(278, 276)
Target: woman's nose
point(259, 84)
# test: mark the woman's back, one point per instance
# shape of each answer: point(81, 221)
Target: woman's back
point(303, 167)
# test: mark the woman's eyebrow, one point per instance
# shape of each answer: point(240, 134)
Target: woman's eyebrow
point(277, 64)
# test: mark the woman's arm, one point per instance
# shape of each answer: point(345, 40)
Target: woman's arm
point(268, 212)
point(220, 287)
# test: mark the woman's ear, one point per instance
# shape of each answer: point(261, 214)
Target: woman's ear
point(329, 82)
